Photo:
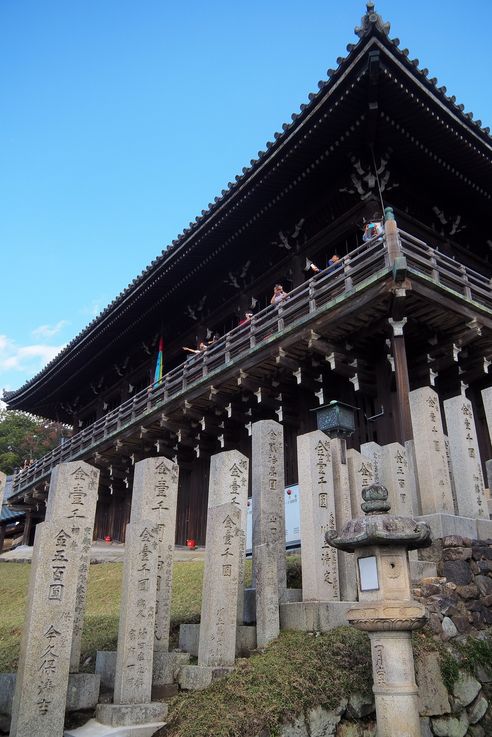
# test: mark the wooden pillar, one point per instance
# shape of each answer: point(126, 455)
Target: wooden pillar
point(391, 236)
point(404, 419)
point(27, 527)
point(3, 526)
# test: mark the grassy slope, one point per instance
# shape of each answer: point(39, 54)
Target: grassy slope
point(103, 601)
point(295, 673)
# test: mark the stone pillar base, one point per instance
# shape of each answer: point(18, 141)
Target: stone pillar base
point(189, 635)
point(165, 666)
point(314, 616)
point(96, 729)
point(127, 715)
point(82, 692)
point(249, 616)
point(449, 524)
point(197, 677)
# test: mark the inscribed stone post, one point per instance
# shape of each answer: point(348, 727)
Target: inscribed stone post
point(42, 675)
point(267, 596)
point(343, 513)
point(465, 458)
point(412, 477)
point(451, 474)
point(487, 403)
point(317, 516)
point(72, 499)
point(133, 675)
point(229, 483)
point(218, 622)
point(395, 476)
point(155, 495)
point(373, 452)
point(361, 474)
point(430, 453)
point(268, 494)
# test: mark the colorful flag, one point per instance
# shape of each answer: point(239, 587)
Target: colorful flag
point(158, 366)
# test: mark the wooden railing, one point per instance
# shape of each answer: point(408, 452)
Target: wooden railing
point(444, 270)
point(364, 264)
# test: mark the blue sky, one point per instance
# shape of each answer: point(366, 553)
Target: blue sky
point(121, 120)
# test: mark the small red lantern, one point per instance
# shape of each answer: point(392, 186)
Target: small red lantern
point(107, 539)
point(289, 492)
point(191, 543)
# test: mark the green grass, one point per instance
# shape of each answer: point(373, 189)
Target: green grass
point(295, 673)
point(103, 602)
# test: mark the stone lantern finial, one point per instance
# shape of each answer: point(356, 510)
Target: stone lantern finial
point(375, 499)
point(370, 21)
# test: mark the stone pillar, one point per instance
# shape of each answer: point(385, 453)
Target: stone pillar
point(147, 542)
point(361, 475)
point(395, 476)
point(343, 513)
point(450, 470)
point(223, 579)
point(155, 496)
point(72, 498)
point(42, 676)
point(133, 674)
point(465, 458)
point(412, 477)
point(268, 486)
point(373, 452)
point(267, 595)
point(395, 690)
point(230, 472)
point(218, 622)
point(430, 453)
point(317, 516)
point(487, 403)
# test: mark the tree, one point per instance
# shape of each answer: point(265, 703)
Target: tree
point(24, 438)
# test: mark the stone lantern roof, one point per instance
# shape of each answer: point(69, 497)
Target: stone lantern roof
point(378, 527)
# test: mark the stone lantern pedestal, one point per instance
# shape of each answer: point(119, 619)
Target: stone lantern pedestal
point(380, 543)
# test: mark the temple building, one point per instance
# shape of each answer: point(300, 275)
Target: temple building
point(407, 305)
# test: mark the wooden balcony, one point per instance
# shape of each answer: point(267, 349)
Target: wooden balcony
point(364, 274)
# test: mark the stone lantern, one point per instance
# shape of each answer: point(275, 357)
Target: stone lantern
point(380, 543)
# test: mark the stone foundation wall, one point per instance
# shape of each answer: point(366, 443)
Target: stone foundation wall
point(462, 712)
point(459, 599)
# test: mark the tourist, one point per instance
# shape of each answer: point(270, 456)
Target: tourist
point(247, 318)
point(334, 262)
point(372, 229)
point(278, 295)
point(201, 346)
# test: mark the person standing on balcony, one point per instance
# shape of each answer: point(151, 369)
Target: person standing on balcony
point(334, 262)
point(199, 349)
point(279, 295)
point(372, 229)
point(247, 318)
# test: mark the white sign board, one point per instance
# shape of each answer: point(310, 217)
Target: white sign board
point(292, 531)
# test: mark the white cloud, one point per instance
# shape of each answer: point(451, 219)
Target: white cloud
point(27, 358)
point(48, 331)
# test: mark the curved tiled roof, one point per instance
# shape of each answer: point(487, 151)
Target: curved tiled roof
point(371, 25)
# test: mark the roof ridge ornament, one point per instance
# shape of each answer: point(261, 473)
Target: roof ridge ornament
point(371, 20)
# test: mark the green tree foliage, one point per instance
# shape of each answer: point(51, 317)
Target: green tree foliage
point(24, 438)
